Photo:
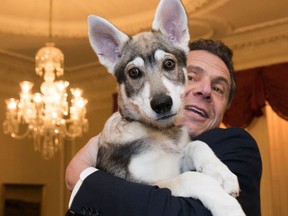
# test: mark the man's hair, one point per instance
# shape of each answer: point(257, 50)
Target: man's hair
point(219, 49)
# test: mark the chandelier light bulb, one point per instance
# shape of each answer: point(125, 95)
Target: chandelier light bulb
point(61, 85)
point(81, 102)
point(26, 86)
point(76, 92)
point(37, 98)
point(12, 104)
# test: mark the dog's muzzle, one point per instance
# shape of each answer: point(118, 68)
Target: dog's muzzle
point(161, 104)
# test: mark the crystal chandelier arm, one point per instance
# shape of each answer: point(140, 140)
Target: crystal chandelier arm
point(73, 129)
point(11, 127)
point(14, 119)
point(21, 136)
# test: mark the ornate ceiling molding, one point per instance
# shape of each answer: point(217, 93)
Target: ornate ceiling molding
point(250, 52)
point(261, 42)
point(203, 6)
point(77, 28)
point(209, 27)
point(260, 26)
point(194, 5)
point(200, 29)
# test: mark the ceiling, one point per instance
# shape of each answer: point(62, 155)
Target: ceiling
point(24, 25)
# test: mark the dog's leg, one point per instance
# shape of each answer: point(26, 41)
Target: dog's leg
point(207, 190)
point(198, 156)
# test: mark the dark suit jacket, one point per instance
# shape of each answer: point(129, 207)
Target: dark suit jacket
point(105, 194)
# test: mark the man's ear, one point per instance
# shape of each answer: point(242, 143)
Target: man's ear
point(171, 20)
point(106, 40)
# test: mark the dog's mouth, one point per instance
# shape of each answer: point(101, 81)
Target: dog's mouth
point(166, 117)
point(197, 110)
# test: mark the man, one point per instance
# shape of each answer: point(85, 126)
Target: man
point(209, 92)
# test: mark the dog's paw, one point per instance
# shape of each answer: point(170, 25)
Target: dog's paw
point(229, 211)
point(206, 189)
point(221, 173)
point(230, 207)
point(199, 156)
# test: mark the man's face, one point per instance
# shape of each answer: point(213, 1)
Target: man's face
point(207, 90)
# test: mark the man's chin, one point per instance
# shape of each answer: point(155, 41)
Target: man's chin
point(193, 132)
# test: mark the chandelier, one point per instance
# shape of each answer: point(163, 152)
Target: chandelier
point(48, 117)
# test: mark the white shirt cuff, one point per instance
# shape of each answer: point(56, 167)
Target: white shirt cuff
point(86, 172)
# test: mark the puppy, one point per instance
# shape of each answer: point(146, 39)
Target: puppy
point(141, 142)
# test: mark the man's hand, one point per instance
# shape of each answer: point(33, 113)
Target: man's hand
point(85, 158)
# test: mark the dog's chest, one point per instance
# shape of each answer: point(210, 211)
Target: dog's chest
point(155, 163)
point(139, 153)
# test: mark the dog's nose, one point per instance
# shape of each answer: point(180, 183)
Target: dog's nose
point(161, 104)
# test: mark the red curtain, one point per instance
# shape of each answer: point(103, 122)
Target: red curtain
point(115, 102)
point(254, 88)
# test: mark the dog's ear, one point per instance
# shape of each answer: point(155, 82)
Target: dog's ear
point(106, 40)
point(171, 20)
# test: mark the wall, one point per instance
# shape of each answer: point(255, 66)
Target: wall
point(18, 161)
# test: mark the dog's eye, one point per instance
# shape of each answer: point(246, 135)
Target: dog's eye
point(134, 73)
point(169, 64)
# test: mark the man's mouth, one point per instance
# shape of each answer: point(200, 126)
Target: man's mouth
point(196, 110)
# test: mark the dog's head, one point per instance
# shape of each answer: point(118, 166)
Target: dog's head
point(150, 67)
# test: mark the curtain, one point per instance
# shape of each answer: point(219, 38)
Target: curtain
point(254, 87)
point(278, 148)
point(115, 102)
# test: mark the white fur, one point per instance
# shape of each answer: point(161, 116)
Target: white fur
point(160, 55)
point(205, 189)
point(118, 130)
point(176, 92)
point(138, 62)
point(210, 165)
point(142, 101)
point(150, 166)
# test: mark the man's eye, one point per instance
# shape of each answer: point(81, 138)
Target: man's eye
point(134, 73)
point(218, 90)
point(168, 64)
point(190, 78)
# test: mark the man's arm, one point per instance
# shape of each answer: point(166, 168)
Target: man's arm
point(110, 195)
point(114, 196)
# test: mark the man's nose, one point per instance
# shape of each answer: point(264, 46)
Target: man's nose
point(203, 90)
point(204, 95)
